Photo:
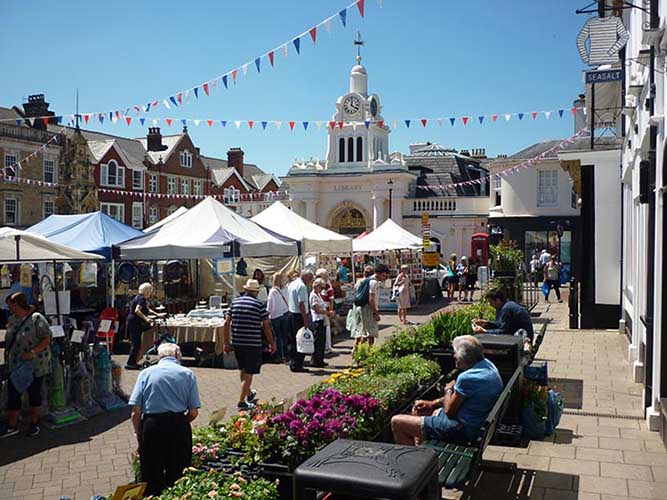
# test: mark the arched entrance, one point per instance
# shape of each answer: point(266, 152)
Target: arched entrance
point(348, 219)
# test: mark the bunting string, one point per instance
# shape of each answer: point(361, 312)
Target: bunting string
point(514, 169)
point(10, 173)
point(465, 120)
point(205, 89)
point(269, 196)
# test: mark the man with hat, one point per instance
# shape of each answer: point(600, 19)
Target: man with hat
point(247, 319)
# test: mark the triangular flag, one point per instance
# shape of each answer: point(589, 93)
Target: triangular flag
point(86, 117)
point(332, 124)
point(494, 117)
point(257, 61)
point(264, 125)
point(271, 57)
point(179, 98)
point(245, 69)
point(223, 123)
point(343, 17)
point(100, 117)
point(547, 114)
point(237, 123)
point(360, 5)
point(173, 100)
point(142, 120)
point(452, 121)
point(210, 123)
point(319, 125)
point(196, 122)
point(59, 119)
point(297, 44)
point(520, 115)
point(327, 25)
point(305, 125)
point(407, 123)
point(313, 34)
point(381, 123)
point(367, 123)
point(534, 114)
point(169, 120)
point(560, 113)
point(155, 121)
point(574, 111)
point(395, 123)
point(187, 96)
point(148, 107)
point(285, 50)
point(19, 121)
point(45, 120)
point(464, 120)
point(481, 119)
point(291, 125)
point(234, 73)
point(224, 80)
point(164, 101)
point(340, 124)
point(439, 120)
point(206, 88)
point(508, 116)
point(278, 124)
point(137, 109)
point(424, 120)
point(250, 123)
point(215, 84)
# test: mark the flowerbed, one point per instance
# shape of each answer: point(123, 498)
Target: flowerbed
point(214, 485)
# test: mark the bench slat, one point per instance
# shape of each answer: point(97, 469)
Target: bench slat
point(460, 474)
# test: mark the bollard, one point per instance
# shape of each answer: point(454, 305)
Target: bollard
point(573, 302)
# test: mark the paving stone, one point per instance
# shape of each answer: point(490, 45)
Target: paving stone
point(525, 461)
point(625, 471)
point(550, 450)
point(569, 466)
point(569, 495)
point(645, 489)
point(621, 444)
point(600, 455)
point(597, 484)
point(645, 458)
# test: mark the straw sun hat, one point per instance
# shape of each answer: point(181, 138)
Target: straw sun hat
point(251, 286)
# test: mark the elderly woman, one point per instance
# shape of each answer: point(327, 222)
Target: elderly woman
point(137, 323)
point(27, 340)
point(319, 314)
point(401, 290)
point(457, 417)
point(327, 295)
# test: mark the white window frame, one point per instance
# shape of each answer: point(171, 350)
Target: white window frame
point(185, 185)
point(547, 188)
point(172, 185)
point(153, 215)
point(186, 159)
point(17, 211)
point(54, 171)
point(119, 180)
point(198, 187)
point(231, 195)
point(118, 208)
point(141, 178)
point(8, 163)
point(153, 183)
point(137, 215)
point(45, 213)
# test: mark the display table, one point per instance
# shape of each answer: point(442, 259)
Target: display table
point(193, 330)
point(208, 313)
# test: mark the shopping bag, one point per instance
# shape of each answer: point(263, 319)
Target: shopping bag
point(22, 376)
point(554, 411)
point(305, 341)
point(545, 289)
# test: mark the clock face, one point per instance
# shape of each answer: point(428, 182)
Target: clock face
point(374, 107)
point(351, 105)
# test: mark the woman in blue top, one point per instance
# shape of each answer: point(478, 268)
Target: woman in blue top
point(457, 417)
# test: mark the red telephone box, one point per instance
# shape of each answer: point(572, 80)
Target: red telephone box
point(479, 248)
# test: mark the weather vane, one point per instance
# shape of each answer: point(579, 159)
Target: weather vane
point(358, 42)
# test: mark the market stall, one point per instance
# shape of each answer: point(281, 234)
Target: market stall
point(391, 244)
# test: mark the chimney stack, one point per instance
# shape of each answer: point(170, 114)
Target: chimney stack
point(580, 121)
point(235, 159)
point(154, 140)
point(38, 107)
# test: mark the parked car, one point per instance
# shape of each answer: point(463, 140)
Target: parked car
point(439, 273)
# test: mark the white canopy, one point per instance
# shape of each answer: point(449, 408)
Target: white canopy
point(314, 239)
point(30, 247)
point(387, 236)
point(168, 218)
point(202, 232)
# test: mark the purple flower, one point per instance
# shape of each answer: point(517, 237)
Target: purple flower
point(295, 425)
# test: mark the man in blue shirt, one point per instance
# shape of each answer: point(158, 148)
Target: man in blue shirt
point(457, 417)
point(510, 316)
point(298, 304)
point(164, 401)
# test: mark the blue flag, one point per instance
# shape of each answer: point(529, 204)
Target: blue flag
point(481, 119)
point(223, 123)
point(560, 113)
point(196, 91)
point(18, 121)
point(305, 125)
point(224, 80)
point(101, 118)
point(148, 107)
point(407, 123)
point(367, 124)
point(257, 64)
point(173, 99)
point(520, 115)
point(452, 120)
point(142, 120)
point(343, 16)
point(297, 45)
point(59, 119)
point(264, 125)
point(184, 122)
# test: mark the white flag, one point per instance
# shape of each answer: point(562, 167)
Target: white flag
point(237, 123)
point(327, 25)
point(278, 124)
point(285, 50)
point(508, 116)
point(166, 103)
point(319, 125)
point(196, 122)
point(547, 114)
point(245, 69)
point(155, 121)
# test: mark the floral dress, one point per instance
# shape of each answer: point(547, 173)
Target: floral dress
point(32, 332)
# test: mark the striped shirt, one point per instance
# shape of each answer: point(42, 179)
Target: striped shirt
point(607, 36)
point(247, 315)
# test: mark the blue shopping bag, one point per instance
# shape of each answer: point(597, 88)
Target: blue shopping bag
point(545, 289)
point(22, 376)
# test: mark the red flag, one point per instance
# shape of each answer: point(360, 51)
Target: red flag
point(169, 120)
point(179, 98)
point(332, 124)
point(154, 104)
point(313, 33)
point(234, 73)
point(250, 123)
point(45, 120)
point(381, 123)
point(340, 124)
point(128, 119)
point(360, 4)
point(574, 111)
point(495, 117)
point(534, 114)
point(86, 118)
point(206, 88)
point(424, 120)
point(465, 120)
point(271, 57)
point(291, 125)
point(210, 123)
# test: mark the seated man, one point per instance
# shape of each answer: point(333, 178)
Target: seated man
point(458, 416)
point(510, 316)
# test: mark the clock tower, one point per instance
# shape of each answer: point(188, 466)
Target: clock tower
point(359, 135)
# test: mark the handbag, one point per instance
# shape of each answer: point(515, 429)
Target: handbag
point(22, 376)
point(305, 341)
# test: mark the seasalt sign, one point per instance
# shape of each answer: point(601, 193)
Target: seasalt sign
point(611, 75)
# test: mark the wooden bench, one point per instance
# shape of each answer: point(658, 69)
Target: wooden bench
point(459, 464)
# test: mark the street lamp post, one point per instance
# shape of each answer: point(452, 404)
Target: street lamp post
point(390, 183)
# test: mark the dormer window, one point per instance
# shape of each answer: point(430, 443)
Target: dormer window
point(186, 159)
point(231, 195)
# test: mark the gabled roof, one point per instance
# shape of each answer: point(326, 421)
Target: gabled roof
point(133, 150)
point(171, 141)
point(220, 176)
point(130, 156)
point(260, 181)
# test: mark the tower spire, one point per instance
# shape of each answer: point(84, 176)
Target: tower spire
point(358, 43)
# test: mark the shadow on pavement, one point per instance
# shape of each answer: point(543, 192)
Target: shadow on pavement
point(19, 447)
point(520, 484)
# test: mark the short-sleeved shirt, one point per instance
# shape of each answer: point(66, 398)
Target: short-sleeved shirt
point(327, 294)
point(545, 258)
point(247, 314)
point(137, 300)
point(480, 387)
point(297, 292)
point(276, 303)
point(166, 387)
point(316, 300)
point(33, 330)
point(342, 270)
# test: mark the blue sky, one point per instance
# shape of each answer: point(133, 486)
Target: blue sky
point(425, 58)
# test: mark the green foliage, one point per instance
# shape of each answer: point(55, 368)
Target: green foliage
point(506, 256)
point(419, 340)
point(214, 485)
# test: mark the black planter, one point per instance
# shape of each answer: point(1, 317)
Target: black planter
point(445, 357)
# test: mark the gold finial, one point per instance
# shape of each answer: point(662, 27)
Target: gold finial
point(358, 42)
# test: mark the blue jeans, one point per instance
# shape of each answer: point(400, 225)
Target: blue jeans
point(281, 327)
point(443, 428)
